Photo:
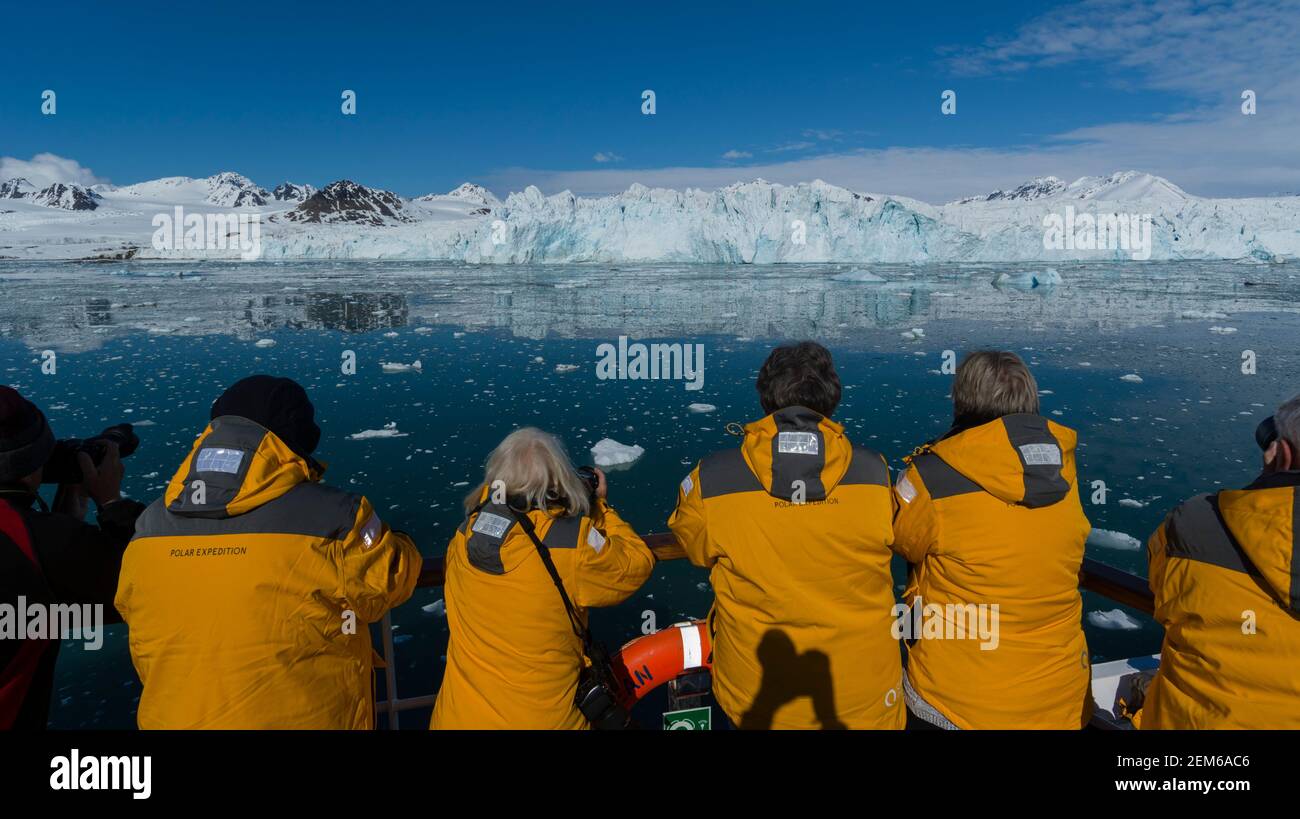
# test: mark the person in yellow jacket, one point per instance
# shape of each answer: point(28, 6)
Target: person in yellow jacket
point(1225, 571)
point(248, 588)
point(990, 521)
point(514, 658)
point(794, 527)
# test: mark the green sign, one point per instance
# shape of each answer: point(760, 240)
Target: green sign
point(689, 719)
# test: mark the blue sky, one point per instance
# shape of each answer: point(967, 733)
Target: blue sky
point(510, 94)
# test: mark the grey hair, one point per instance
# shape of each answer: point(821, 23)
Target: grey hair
point(532, 465)
point(1287, 419)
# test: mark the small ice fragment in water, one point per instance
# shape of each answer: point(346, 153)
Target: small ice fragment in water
point(265, 342)
point(608, 452)
point(1110, 539)
point(393, 367)
point(1132, 377)
point(437, 608)
point(389, 431)
point(1115, 620)
point(701, 408)
point(565, 368)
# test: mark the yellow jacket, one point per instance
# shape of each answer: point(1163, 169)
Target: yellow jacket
point(1226, 576)
point(990, 516)
point(513, 659)
point(794, 527)
point(249, 586)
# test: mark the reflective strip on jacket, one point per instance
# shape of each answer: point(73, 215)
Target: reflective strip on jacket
point(1225, 571)
point(990, 516)
point(249, 586)
point(513, 659)
point(794, 527)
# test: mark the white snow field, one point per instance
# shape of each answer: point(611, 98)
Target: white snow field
point(753, 222)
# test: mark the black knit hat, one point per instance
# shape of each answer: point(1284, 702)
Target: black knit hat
point(26, 440)
point(279, 404)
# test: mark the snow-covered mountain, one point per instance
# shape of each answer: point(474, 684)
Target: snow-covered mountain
point(751, 222)
point(65, 196)
point(224, 190)
point(289, 192)
point(16, 188)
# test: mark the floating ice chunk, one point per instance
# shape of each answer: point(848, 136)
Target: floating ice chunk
point(1223, 331)
point(857, 276)
point(438, 608)
point(1132, 504)
point(566, 368)
point(1202, 314)
point(1110, 539)
point(1131, 377)
point(391, 334)
point(265, 342)
point(701, 408)
point(423, 330)
point(608, 452)
point(1115, 620)
point(389, 431)
point(392, 367)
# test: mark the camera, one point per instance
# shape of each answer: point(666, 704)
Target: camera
point(588, 476)
point(63, 466)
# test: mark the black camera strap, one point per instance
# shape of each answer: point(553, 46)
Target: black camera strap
point(582, 632)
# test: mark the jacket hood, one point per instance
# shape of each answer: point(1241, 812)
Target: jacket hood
point(240, 465)
point(1022, 459)
point(1264, 520)
point(797, 444)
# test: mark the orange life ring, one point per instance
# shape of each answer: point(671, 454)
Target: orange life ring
point(647, 662)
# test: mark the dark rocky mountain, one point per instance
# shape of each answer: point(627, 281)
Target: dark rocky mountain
point(66, 196)
point(347, 202)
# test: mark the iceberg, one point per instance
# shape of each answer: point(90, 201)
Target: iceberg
point(1114, 620)
point(608, 452)
point(1108, 539)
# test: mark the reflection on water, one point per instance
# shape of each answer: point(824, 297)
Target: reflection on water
point(78, 306)
point(1144, 361)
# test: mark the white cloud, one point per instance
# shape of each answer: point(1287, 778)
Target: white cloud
point(734, 154)
point(46, 169)
point(607, 156)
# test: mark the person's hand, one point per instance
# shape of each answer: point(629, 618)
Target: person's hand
point(601, 488)
point(103, 483)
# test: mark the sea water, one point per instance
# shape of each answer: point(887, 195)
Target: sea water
point(1164, 369)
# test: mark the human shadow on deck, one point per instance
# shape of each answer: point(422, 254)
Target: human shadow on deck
point(787, 676)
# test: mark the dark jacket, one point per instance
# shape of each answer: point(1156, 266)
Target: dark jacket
point(78, 563)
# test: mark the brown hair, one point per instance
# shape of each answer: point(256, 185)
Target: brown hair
point(991, 384)
point(799, 375)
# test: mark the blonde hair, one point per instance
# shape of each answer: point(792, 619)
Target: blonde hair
point(533, 466)
point(991, 384)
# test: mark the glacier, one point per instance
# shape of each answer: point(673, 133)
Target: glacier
point(754, 222)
